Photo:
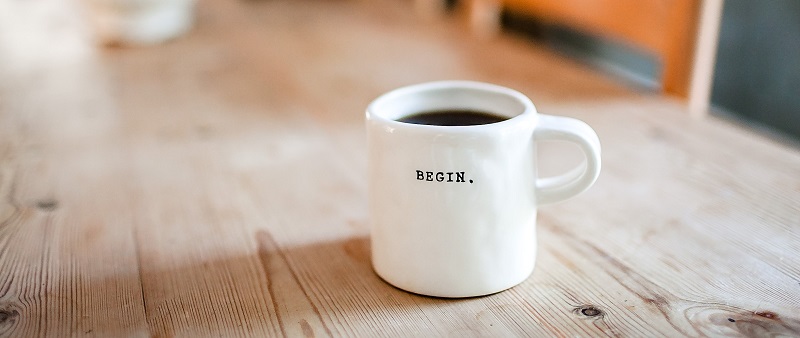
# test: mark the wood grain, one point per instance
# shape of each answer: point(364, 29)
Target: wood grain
point(214, 186)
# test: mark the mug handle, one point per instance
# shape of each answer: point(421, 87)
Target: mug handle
point(558, 188)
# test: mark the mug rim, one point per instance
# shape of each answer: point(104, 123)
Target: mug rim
point(528, 112)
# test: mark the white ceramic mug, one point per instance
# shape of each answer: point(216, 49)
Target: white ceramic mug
point(140, 22)
point(452, 209)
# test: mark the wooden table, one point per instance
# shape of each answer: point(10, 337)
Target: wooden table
point(214, 186)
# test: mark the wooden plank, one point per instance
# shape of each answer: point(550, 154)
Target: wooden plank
point(68, 261)
point(202, 271)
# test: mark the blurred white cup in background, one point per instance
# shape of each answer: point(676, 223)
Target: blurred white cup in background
point(140, 22)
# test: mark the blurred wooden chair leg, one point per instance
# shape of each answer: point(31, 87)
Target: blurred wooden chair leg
point(704, 58)
point(430, 9)
point(484, 16)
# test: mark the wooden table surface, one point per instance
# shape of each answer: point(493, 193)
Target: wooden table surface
point(215, 186)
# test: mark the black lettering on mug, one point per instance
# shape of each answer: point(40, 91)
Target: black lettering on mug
point(439, 176)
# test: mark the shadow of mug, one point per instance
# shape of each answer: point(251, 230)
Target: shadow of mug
point(273, 290)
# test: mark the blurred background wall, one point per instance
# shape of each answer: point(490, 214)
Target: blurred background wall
point(757, 74)
point(758, 63)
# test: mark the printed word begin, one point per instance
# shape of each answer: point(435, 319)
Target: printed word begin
point(439, 176)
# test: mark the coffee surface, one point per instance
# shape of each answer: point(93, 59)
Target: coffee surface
point(453, 117)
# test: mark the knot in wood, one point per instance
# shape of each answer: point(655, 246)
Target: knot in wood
point(6, 315)
point(589, 311)
point(47, 204)
point(767, 314)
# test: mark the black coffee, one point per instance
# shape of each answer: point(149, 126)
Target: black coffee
point(452, 117)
